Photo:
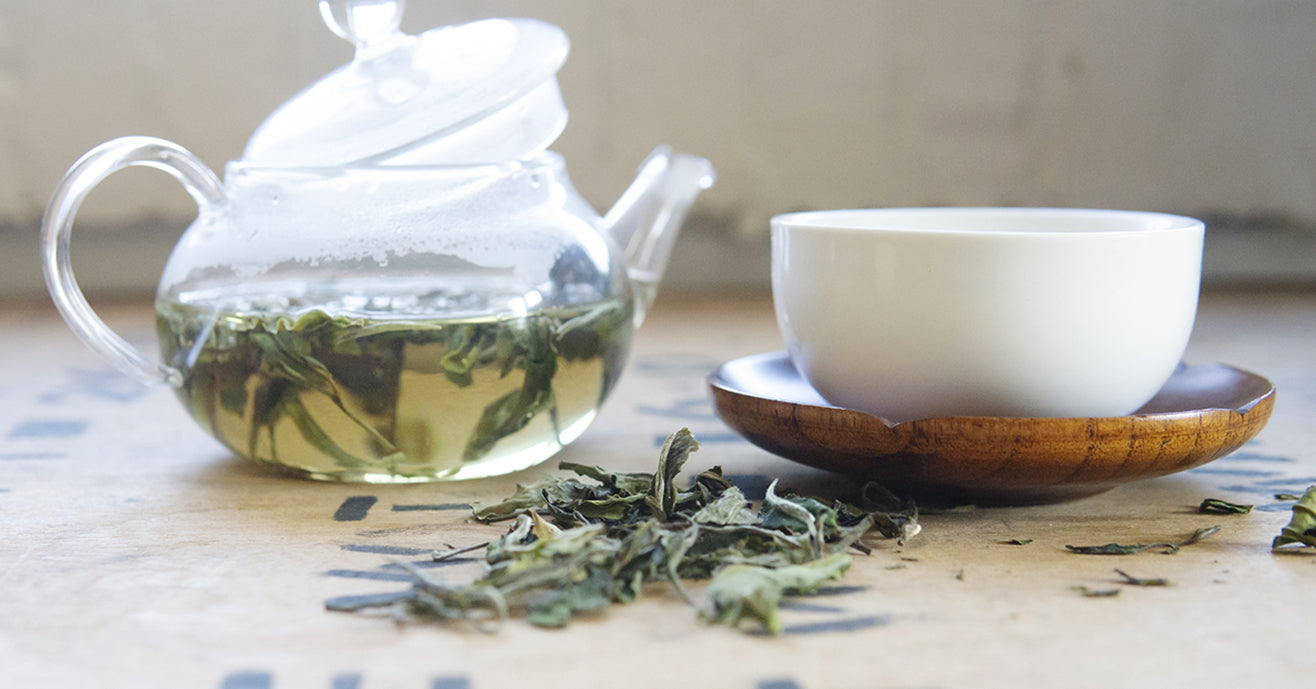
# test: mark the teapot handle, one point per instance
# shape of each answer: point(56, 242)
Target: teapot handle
point(90, 170)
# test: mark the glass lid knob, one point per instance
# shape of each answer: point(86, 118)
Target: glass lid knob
point(366, 23)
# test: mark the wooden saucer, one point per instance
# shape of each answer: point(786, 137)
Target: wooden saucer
point(1203, 413)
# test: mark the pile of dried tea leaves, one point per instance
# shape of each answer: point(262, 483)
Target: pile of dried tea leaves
point(581, 543)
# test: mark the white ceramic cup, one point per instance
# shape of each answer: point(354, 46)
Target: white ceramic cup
point(1020, 312)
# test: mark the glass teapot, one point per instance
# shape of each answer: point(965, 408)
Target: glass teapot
point(397, 281)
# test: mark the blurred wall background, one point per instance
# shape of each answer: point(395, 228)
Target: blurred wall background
point(1203, 107)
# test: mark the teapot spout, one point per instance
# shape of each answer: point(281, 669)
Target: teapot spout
point(648, 216)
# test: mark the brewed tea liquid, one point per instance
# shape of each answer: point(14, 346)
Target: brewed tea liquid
point(377, 389)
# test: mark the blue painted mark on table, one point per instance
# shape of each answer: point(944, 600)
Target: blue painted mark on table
point(703, 438)
point(690, 408)
point(1245, 456)
point(372, 575)
point(356, 680)
point(384, 549)
point(373, 600)
point(845, 624)
point(1227, 471)
point(692, 365)
point(248, 679)
point(392, 571)
point(104, 384)
point(23, 456)
point(1273, 490)
point(48, 428)
point(355, 508)
point(1261, 474)
point(345, 682)
point(752, 486)
point(42, 429)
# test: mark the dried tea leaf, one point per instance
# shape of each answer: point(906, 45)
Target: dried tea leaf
point(1301, 529)
point(1134, 548)
point(624, 483)
point(662, 495)
point(1017, 541)
point(1096, 593)
point(1200, 535)
point(730, 508)
point(1119, 548)
point(893, 516)
point(740, 593)
point(1136, 581)
point(796, 515)
point(1218, 506)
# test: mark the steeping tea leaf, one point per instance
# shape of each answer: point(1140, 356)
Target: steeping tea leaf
point(1301, 529)
point(388, 390)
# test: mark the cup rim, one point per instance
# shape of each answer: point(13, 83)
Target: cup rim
point(987, 220)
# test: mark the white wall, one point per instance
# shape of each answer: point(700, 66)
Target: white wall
point(1196, 106)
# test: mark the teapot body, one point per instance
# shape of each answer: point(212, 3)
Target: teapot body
point(397, 282)
point(520, 226)
point(391, 324)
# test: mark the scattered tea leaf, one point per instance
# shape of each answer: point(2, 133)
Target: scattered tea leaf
point(1117, 548)
point(1018, 541)
point(453, 553)
point(1218, 506)
point(1136, 581)
point(1301, 529)
point(1287, 496)
point(1096, 593)
point(1200, 535)
point(1134, 548)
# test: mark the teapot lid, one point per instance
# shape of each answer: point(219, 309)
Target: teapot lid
point(474, 93)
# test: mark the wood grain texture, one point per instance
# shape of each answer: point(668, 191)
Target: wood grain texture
point(1203, 413)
